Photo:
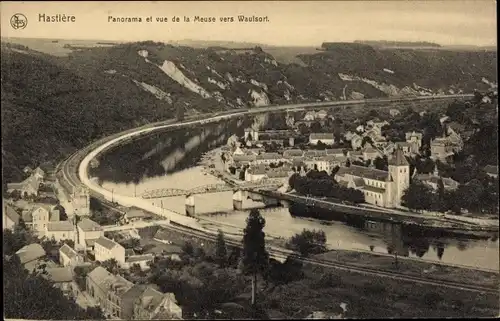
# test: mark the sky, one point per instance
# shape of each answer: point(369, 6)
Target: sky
point(299, 23)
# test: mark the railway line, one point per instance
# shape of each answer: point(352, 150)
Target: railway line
point(74, 172)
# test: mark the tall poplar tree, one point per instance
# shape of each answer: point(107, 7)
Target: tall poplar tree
point(220, 249)
point(255, 257)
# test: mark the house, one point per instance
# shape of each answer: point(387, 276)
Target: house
point(238, 151)
point(80, 199)
point(325, 138)
point(405, 147)
point(62, 230)
point(163, 236)
point(356, 142)
point(142, 260)
point(389, 149)
point(337, 152)
point(256, 173)
point(152, 304)
point(28, 187)
point(432, 181)
point(69, 257)
point(327, 163)
point(394, 112)
point(491, 170)
point(381, 188)
point(114, 294)
point(88, 232)
point(40, 215)
point(106, 249)
point(310, 116)
point(27, 170)
point(240, 160)
point(268, 158)
point(414, 137)
point(10, 217)
point(134, 215)
point(370, 153)
point(376, 123)
point(441, 148)
point(38, 174)
point(62, 278)
point(31, 255)
point(290, 153)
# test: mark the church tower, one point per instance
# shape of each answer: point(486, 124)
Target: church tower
point(399, 169)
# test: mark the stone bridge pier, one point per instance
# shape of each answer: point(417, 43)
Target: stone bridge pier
point(190, 209)
point(238, 197)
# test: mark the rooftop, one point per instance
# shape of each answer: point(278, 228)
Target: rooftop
point(321, 136)
point(365, 172)
point(68, 251)
point(88, 225)
point(105, 242)
point(11, 213)
point(398, 159)
point(30, 253)
point(136, 213)
point(374, 189)
point(140, 258)
point(59, 274)
point(60, 226)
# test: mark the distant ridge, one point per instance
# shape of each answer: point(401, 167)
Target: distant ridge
point(389, 43)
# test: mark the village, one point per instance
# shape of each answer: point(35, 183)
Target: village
point(363, 158)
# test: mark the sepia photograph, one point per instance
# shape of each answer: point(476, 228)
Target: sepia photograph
point(170, 160)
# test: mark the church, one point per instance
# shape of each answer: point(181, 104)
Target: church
point(381, 188)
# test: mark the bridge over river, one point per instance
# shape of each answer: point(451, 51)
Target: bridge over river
point(212, 188)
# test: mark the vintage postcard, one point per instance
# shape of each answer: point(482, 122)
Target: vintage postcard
point(249, 159)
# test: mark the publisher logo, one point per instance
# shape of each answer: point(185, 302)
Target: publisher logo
point(18, 21)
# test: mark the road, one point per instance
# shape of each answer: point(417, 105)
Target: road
point(73, 166)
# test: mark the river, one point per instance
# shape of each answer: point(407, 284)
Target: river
point(369, 236)
point(169, 160)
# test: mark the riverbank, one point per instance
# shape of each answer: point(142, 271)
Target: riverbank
point(321, 288)
point(474, 226)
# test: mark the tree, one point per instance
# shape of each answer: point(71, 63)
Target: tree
point(188, 248)
point(111, 265)
point(46, 303)
point(308, 242)
point(418, 197)
point(255, 257)
point(62, 212)
point(381, 163)
point(135, 269)
point(220, 249)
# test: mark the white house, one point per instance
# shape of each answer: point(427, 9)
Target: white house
point(88, 232)
point(68, 256)
point(61, 230)
point(106, 249)
point(41, 215)
point(325, 138)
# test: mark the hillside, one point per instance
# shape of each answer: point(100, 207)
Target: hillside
point(52, 105)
